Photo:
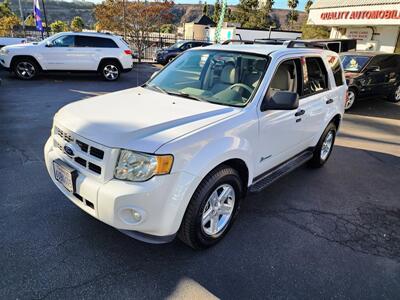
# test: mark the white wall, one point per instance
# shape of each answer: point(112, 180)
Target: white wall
point(384, 39)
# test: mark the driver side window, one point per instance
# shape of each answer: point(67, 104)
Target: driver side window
point(286, 78)
point(64, 41)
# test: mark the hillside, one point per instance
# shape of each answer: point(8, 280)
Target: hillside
point(66, 11)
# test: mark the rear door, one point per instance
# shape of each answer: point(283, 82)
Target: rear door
point(314, 99)
point(92, 49)
point(377, 81)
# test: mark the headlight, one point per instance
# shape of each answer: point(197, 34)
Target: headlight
point(4, 51)
point(134, 166)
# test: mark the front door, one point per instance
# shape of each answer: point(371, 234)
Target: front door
point(59, 54)
point(281, 132)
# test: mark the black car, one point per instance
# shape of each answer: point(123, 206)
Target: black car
point(164, 56)
point(370, 74)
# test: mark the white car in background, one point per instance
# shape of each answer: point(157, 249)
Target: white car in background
point(7, 41)
point(106, 54)
point(177, 155)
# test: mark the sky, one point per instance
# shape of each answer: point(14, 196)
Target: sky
point(278, 3)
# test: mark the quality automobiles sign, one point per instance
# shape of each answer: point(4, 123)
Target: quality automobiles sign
point(369, 14)
point(356, 15)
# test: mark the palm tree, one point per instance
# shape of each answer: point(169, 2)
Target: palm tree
point(292, 4)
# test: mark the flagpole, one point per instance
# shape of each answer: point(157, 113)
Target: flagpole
point(45, 19)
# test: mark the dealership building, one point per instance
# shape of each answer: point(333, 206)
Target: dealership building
point(374, 23)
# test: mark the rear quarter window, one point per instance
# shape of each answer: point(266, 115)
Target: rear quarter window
point(334, 63)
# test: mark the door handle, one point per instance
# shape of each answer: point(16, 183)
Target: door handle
point(329, 101)
point(300, 113)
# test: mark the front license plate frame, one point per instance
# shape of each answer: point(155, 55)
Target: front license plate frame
point(65, 174)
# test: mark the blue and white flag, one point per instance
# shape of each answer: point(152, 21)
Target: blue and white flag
point(38, 15)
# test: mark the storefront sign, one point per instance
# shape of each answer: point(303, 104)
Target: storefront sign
point(366, 15)
point(369, 14)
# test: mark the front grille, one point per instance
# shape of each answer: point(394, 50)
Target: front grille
point(86, 154)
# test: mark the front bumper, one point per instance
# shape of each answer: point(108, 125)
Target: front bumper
point(5, 61)
point(161, 201)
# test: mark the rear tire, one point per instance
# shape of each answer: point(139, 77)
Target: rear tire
point(110, 70)
point(25, 68)
point(212, 209)
point(395, 96)
point(324, 148)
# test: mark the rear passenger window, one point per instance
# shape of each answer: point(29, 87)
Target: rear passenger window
point(336, 67)
point(315, 76)
point(94, 42)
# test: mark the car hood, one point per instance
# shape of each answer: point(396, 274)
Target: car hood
point(351, 75)
point(138, 119)
point(21, 46)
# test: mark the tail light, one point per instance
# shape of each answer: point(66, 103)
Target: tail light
point(128, 52)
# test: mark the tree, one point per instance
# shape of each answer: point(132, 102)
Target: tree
point(58, 26)
point(77, 24)
point(250, 15)
point(167, 28)
point(206, 9)
point(7, 19)
point(313, 31)
point(7, 24)
point(30, 20)
point(308, 5)
point(293, 15)
point(268, 5)
point(141, 19)
point(217, 11)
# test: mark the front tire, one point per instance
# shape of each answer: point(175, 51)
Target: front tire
point(212, 209)
point(324, 147)
point(25, 68)
point(395, 96)
point(110, 70)
point(351, 99)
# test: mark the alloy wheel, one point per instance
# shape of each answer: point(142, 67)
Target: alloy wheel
point(327, 145)
point(110, 72)
point(397, 94)
point(351, 97)
point(218, 210)
point(25, 70)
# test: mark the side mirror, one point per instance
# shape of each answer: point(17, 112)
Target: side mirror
point(373, 69)
point(49, 44)
point(154, 74)
point(281, 100)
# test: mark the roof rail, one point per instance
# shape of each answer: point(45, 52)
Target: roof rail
point(284, 42)
point(303, 44)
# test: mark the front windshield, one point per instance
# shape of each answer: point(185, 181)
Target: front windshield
point(354, 63)
point(222, 77)
point(177, 45)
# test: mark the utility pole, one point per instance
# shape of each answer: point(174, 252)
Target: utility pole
point(45, 18)
point(123, 18)
point(22, 17)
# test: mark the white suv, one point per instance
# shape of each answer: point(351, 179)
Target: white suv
point(179, 154)
point(69, 51)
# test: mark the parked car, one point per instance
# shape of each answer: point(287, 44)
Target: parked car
point(178, 155)
point(106, 54)
point(164, 56)
point(6, 41)
point(371, 74)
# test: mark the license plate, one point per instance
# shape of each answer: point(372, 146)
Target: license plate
point(65, 174)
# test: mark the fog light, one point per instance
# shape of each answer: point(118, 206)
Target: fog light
point(136, 215)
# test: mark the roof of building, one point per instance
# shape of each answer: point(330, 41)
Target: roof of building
point(204, 20)
point(335, 3)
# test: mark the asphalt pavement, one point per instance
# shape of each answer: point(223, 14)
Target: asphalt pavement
point(331, 233)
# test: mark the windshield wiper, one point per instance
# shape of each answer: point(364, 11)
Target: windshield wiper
point(184, 95)
point(155, 87)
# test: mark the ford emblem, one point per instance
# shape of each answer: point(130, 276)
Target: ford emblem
point(69, 151)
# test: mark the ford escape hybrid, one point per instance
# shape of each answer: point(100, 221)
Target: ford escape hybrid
point(177, 156)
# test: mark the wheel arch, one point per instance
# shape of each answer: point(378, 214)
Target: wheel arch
point(110, 59)
point(17, 57)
